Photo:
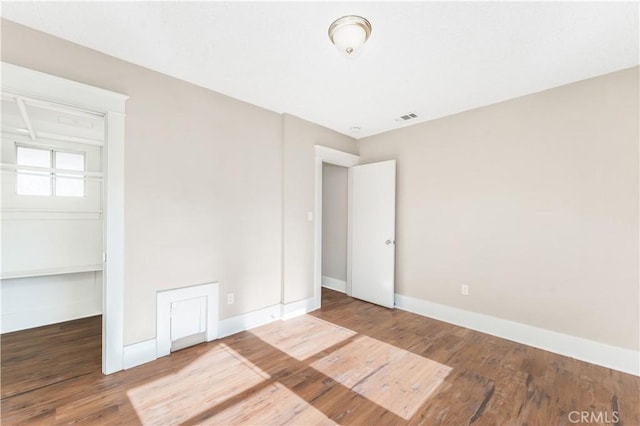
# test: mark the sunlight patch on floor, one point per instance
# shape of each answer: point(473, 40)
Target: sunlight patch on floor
point(218, 375)
point(223, 387)
point(271, 405)
point(302, 337)
point(393, 378)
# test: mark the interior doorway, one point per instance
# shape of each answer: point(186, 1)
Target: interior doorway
point(37, 88)
point(52, 259)
point(370, 227)
point(335, 190)
point(53, 228)
point(327, 157)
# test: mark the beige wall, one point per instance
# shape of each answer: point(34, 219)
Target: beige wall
point(203, 181)
point(334, 221)
point(300, 136)
point(532, 202)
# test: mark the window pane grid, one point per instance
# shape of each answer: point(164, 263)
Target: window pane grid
point(33, 183)
point(69, 185)
point(60, 184)
point(33, 157)
point(69, 161)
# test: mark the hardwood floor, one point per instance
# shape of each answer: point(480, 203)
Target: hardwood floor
point(349, 363)
point(43, 356)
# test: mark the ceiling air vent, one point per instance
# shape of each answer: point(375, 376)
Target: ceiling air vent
point(406, 117)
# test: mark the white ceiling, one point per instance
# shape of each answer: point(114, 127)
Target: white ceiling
point(430, 58)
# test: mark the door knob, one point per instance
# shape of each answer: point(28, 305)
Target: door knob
point(388, 242)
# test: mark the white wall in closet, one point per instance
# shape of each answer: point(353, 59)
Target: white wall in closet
point(51, 213)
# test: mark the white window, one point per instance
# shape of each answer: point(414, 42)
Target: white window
point(33, 182)
point(69, 185)
point(52, 181)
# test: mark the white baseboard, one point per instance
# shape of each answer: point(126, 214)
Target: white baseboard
point(233, 325)
point(143, 352)
point(24, 320)
point(300, 307)
point(334, 284)
point(139, 353)
point(621, 359)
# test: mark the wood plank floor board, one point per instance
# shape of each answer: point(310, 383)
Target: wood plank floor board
point(30, 359)
point(502, 404)
point(349, 363)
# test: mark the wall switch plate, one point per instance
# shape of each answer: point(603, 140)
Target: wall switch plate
point(310, 216)
point(230, 299)
point(464, 290)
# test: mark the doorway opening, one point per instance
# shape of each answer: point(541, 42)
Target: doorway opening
point(52, 215)
point(331, 232)
point(335, 181)
point(370, 228)
point(52, 222)
point(63, 198)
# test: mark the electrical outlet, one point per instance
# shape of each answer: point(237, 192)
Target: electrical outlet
point(230, 299)
point(464, 290)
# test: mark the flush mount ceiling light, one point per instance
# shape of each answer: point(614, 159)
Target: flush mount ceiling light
point(349, 33)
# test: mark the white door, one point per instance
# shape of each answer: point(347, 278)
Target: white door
point(188, 322)
point(372, 222)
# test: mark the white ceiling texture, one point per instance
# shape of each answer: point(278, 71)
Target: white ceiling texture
point(430, 58)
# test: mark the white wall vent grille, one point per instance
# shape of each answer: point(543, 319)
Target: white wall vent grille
point(407, 116)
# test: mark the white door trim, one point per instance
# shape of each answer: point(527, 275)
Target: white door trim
point(47, 87)
point(337, 158)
